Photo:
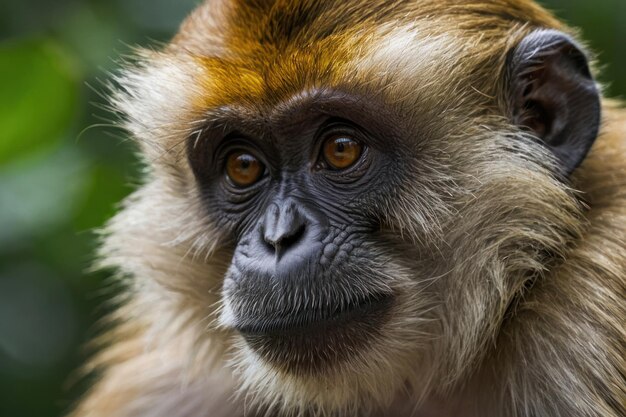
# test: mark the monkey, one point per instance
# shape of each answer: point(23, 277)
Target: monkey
point(368, 208)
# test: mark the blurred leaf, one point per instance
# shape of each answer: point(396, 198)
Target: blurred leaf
point(107, 188)
point(30, 16)
point(46, 327)
point(95, 34)
point(39, 96)
point(158, 15)
point(39, 193)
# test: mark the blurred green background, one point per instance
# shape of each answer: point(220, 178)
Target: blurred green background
point(63, 168)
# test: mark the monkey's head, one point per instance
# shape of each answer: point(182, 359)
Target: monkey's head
point(346, 199)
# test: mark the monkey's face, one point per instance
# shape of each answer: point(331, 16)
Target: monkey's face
point(302, 189)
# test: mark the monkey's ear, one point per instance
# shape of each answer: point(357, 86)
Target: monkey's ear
point(554, 94)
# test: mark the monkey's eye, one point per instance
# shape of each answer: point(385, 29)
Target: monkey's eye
point(341, 151)
point(243, 168)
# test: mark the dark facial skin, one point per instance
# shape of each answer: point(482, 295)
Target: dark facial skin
point(304, 273)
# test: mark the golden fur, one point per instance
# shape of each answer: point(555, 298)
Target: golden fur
point(518, 306)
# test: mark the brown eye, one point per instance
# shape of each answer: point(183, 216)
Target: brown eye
point(243, 168)
point(341, 151)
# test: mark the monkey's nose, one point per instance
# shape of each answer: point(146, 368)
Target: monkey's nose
point(283, 227)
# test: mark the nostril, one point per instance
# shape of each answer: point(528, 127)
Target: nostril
point(293, 238)
point(284, 240)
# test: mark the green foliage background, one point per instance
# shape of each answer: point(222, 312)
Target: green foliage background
point(63, 168)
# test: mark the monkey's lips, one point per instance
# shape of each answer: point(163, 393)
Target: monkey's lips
point(312, 320)
point(309, 340)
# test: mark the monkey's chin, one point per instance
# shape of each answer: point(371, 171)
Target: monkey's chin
point(311, 342)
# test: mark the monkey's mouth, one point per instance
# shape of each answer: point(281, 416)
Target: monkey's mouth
point(308, 341)
point(312, 320)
